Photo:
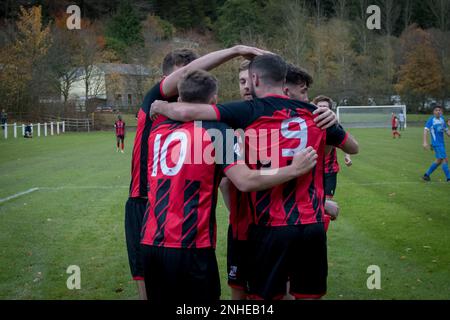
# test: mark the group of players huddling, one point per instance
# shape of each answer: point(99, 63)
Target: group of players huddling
point(267, 153)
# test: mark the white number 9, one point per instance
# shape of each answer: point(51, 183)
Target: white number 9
point(301, 134)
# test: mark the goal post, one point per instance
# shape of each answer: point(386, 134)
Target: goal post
point(369, 116)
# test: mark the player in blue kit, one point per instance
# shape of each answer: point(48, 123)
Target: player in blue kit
point(436, 126)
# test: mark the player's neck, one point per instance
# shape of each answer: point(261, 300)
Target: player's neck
point(270, 90)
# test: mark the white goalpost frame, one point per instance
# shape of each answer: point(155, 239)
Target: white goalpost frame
point(403, 107)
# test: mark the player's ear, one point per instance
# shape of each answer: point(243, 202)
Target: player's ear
point(286, 91)
point(255, 80)
point(214, 99)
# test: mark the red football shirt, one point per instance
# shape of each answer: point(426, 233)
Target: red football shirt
point(331, 162)
point(139, 160)
point(120, 128)
point(276, 128)
point(186, 164)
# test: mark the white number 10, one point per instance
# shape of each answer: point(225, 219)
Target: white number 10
point(160, 155)
point(301, 134)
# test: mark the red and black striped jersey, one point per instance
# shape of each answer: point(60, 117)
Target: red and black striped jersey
point(186, 165)
point(120, 128)
point(241, 216)
point(139, 160)
point(276, 128)
point(331, 162)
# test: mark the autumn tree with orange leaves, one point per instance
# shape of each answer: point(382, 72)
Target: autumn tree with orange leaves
point(420, 75)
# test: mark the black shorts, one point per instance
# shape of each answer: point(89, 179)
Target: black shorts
point(237, 262)
point(330, 182)
point(394, 128)
point(134, 214)
point(294, 253)
point(173, 274)
point(121, 137)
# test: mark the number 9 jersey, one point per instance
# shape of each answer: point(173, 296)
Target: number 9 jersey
point(276, 128)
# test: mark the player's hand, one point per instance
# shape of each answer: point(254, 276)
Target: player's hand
point(331, 209)
point(304, 161)
point(156, 108)
point(326, 117)
point(348, 160)
point(426, 146)
point(249, 52)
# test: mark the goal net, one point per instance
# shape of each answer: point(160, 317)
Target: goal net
point(369, 116)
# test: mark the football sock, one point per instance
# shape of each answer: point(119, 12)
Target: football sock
point(432, 168)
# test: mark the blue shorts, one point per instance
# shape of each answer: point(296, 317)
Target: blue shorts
point(440, 152)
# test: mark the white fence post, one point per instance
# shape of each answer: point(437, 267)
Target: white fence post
point(63, 126)
point(15, 130)
point(5, 130)
point(45, 129)
point(23, 130)
point(38, 129)
point(51, 128)
point(57, 128)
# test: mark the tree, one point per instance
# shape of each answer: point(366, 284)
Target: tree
point(441, 12)
point(420, 76)
point(124, 28)
point(22, 59)
point(238, 20)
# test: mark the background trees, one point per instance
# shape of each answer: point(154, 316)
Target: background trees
point(409, 56)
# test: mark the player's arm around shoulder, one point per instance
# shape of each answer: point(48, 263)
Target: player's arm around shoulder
point(247, 180)
point(183, 111)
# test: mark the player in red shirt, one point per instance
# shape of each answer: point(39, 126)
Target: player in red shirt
point(394, 122)
point(175, 64)
point(240, 214)
point(237, 203)
point(186, 164)
point(288, 238)
point(331, 170)
point(119, 125)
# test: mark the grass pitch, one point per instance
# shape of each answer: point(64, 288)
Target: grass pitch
point(389, 218)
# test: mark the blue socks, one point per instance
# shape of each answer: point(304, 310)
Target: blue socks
point(432, 168)
point(445, 168)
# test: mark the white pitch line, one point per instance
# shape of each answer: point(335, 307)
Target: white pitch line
point(18, 194)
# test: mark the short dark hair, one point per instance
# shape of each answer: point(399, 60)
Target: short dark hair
point(272, 68)
point(321, 98)
point(437, 106)
point(298, 76)
point(177, 58)
point(244, 65)
point(197, 86)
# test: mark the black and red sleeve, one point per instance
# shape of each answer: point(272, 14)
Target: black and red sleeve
point(238, 114)
point(336, 136)
point(226, 147)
